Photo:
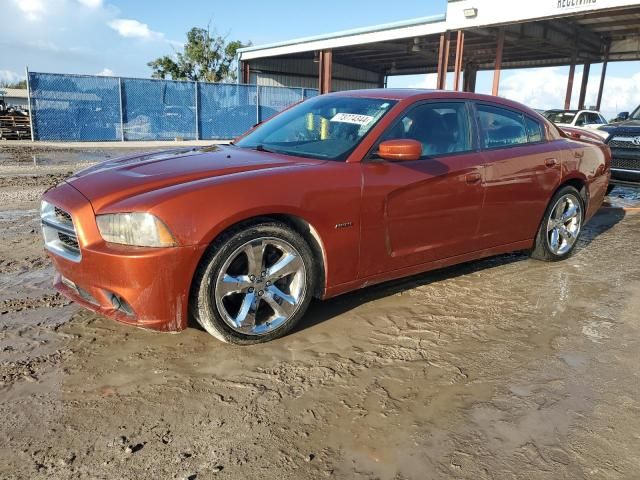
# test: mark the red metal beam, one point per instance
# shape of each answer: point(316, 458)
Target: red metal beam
point(603, 75)
point(583, 87)
point(498, 64)
point(325, 71)
point(443, 60)
point(572, 71)
point(459, 55)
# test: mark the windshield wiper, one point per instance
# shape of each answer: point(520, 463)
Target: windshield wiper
point(260, 148)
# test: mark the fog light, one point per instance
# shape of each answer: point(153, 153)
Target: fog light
point(121, 305)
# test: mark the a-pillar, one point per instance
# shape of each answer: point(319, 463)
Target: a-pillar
point(325, 71)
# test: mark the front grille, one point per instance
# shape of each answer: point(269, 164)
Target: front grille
point(69, 241)
point(62, 216)
point(624, 142)
point(626, 163)
point(59, 232)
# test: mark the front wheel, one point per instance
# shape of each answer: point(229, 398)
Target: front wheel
point(254, 284)
point(560, 227)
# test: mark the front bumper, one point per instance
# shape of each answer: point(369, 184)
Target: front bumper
point(145, 287)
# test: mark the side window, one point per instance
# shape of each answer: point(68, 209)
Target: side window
point(501, 127)
point(580, 121)
point(442, 128)
point(534, 130)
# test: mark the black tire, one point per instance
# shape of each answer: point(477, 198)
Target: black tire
point(202, 304)
point(542, 249)
point(610, 189)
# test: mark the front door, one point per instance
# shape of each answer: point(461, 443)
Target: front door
point(419, 211)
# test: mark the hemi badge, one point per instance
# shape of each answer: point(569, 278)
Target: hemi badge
point(344, 225)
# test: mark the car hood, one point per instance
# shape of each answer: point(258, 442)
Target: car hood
point(631, 127)
point(114, 180)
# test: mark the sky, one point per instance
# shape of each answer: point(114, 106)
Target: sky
point(119, 37)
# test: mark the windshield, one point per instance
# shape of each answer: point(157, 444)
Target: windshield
point(561, 117)
point(636, 114)
point(324, 127)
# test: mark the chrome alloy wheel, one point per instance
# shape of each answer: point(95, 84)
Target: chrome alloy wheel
point(260, 286)
point(564, 224)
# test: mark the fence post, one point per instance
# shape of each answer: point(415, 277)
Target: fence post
point(257, 103)
point(302, 94)
point(31, 109)
point(197, 113)
point(121, 110)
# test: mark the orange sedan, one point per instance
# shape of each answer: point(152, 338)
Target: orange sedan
point(336, 193)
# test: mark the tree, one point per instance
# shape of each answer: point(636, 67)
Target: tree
point(206, 57)
point(19, 84)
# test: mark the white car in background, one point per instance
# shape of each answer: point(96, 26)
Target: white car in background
point(588, 119)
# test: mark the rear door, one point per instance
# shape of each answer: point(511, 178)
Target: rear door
point(418, 211)
point(522, 169)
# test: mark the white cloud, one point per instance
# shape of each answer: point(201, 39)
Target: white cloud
point(106, 72)
point(546, 88)
point(130, 28)
point(32, 9)
point(9, 76)
point(428, 81)
point(91, 3)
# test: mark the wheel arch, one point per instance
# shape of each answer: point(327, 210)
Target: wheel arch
point(297, 223)
point(577, 182)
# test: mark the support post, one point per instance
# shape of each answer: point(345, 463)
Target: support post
point(257, 103)
point(603, 75)
point(31, 109)
point(122, 139)
point(196, 88)
point(443, 60)
point(325, 71)
point(572, 72)
point(583, 87)
point(498, 64)
point(246, 73)
point(469, 79)
point(459, 56)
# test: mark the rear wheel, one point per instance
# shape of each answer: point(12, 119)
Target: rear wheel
point(254, 284)
point(560, 227)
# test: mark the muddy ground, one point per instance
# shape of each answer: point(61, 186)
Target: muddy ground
point(502, 368)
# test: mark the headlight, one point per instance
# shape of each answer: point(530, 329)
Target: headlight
point(137, 229)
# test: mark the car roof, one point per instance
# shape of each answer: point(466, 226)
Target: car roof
point(424, 94)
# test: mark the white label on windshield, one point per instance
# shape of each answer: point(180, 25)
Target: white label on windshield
point(354, 118)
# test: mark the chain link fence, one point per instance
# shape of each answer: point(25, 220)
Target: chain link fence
point(95, 108)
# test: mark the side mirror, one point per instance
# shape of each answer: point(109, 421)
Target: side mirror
point(623, 115)
point(400, 150)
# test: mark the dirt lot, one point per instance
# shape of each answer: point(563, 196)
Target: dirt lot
point(502, 368)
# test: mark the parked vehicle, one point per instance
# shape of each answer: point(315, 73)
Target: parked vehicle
point(576, 118)
point(624, 140)
point(334, 194)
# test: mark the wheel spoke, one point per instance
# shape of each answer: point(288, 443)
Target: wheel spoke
point(285, 306)
point(255, 257)
point(570, 214)
point(233, 284)
point(555, 239)
point(288, 264)
point(567, 234)
point(247, 314)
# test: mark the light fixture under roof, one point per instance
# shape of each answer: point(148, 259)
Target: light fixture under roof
point(470, 12)
point(393, 68)
point(415, 48)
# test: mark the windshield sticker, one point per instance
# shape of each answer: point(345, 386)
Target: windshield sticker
point(354, 118)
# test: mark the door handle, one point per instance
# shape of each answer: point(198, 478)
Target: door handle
point(551, 162)
point(473, 177)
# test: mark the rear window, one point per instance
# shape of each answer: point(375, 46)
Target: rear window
point(561, 117)
point(501, 127)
